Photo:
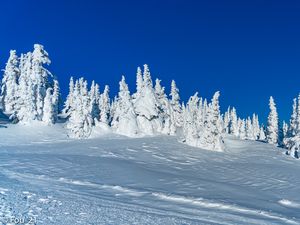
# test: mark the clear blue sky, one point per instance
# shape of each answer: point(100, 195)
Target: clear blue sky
point(248, 50)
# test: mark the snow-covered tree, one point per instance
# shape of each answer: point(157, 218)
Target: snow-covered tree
point(285, 129)
point(55, 99)
point(104, 106)
point(9, 85)
point(26, 106)
point(48, 110)
point(70, 99)
point(272, 127)
point(146, 106)
point(176, 110)
point(94, 101)
point(211, 137)
point(124, 119)
point(208, 135)
point(249, 130)
point(292, 138)
point(40, 77)
point(139, 83)
point(190, 115)
point(226, 121)
point(33, 82)
point(256, 126)
point(262, 134)
point(293, 120)
point(233, 125)
point(80, 120)
point(242, 128)
point(164, 108)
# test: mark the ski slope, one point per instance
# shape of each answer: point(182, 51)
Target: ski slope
point(48, 178)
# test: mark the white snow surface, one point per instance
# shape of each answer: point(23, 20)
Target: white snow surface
point(110, 179)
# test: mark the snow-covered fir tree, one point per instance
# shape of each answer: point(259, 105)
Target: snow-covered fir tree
point(211, 137)
point(31, 85)
point(55, 99)
point(39, 77)
point(292, 138)
point(256, 126)
point(146, 106)
point(226, 121)
point(242, 128)
point(233, 125)
point(262, 134)
point(26, 106)
point(207, 134)
point(293, 121)
point(272, 127)
point(94, 101)
point(80, 120)
point(104, 106)
point(285, 129)
point(70, 99)
point(164, 108)
point(176, 110)
point(190, 115)
point(139, 83)
point(48, 109)
point(249, 129)
point(9, 84)
point(124, 119)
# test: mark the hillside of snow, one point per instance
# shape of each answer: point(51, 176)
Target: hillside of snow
point(48, 178)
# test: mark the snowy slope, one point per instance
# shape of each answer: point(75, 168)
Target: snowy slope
point(155, 180)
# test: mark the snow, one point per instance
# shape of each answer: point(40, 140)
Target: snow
point(111, 179)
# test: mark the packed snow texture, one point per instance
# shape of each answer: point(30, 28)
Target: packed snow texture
point(49, 178)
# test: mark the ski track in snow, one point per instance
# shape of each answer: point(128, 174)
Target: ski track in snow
point(152, 180)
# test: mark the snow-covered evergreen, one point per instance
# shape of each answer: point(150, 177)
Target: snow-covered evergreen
point(80, 121)
point(25, 83)
point(292, 134)
point(94, 106)
point(164, 108)
point(256, 126)
point(48, 109)
point(55, 99)
point(70, 99)
point(146, 106)
point(124, 120)
point(176, 110)
point(262, 134)
point(39, 77)
point(9, 84)
point(233, 125)
point(273, 124)
point(242, 128)
point(205, 134)
point(104, 103)
point(249, 130)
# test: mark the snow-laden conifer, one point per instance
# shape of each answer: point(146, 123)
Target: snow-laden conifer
point(104, 106)
point(146, 106)
point(124, 118)
point(94, 106)
point(164, 108)
point(176, 110)
point(233, 125)
point(48, 110)
point(70, 99)
point(80, 120)
point(9, 84)
point(272, 127)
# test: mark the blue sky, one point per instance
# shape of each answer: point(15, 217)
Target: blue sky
point(248, 50)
